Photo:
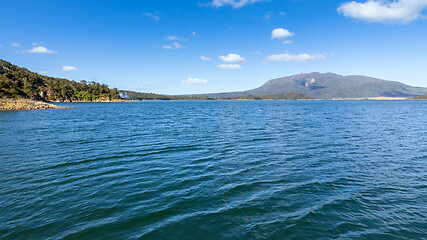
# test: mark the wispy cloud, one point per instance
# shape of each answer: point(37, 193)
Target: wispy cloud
point(384, 11)
point(151, 15)
point(174, 45)
point(194, 81)
point(231, 57)
point(172, 38)
point(14, 44)
point(167, 46)
point(194, 34)
point(39, 49)
point(37, 43)
point(175, 38)
point(233, 3)
point(69, 68)
point(286, 57)
point(229, 66)
point(205, 58)
point(267, 16)
point(43, 72)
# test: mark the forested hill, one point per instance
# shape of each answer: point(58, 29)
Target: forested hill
point(17, 82)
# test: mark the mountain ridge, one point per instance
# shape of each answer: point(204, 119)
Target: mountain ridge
point(331, 86)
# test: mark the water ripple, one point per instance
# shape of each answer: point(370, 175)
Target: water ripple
point(215, 170)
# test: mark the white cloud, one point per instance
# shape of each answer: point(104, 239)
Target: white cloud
point(282, 13)
point(43, 72)
point(40, 49)
point(384, 11)
point(229, 66)
point(197, 81)
point(231, 57)
point(69, 68)
point(15, 44)
point(174, 45)
point(281, 33)
point(233, 3)
point(150, 15)
point(286, 57)
point(205, 58)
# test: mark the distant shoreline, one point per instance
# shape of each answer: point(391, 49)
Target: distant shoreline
point(8, 104)
point(379, 98)
point(100, 101)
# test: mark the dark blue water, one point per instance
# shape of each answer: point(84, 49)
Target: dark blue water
point(215, 170)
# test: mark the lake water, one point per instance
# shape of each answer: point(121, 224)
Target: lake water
point(215, 170)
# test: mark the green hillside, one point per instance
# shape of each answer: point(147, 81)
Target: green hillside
point(17, 82)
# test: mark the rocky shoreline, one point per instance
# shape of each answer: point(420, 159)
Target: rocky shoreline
point(25, 104)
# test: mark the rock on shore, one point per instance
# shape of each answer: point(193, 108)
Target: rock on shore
point(25, 104)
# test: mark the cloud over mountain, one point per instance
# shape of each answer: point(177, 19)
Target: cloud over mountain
point(229, 66)
point(194, 81)
point(286, 57)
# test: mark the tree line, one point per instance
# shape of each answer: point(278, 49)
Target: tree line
point(131, 95)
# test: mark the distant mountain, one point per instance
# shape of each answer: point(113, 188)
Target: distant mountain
point(330, 86)
point(17, 82)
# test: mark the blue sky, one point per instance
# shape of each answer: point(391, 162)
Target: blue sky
point(157, 46)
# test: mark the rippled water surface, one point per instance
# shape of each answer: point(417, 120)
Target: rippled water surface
point(215, 170)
